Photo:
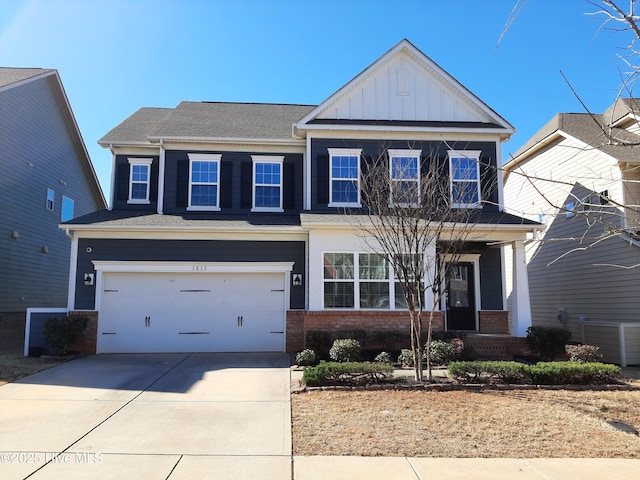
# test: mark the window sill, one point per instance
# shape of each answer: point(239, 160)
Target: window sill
point(269, 210)
point(138, 202)
point(352, 205)
point(203, 209)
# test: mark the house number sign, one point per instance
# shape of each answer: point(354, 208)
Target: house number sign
point(199, 268)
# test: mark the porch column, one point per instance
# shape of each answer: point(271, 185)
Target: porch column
point(520, 302)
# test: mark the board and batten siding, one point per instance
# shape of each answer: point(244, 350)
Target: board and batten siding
point(38, 150)
point(566, 269)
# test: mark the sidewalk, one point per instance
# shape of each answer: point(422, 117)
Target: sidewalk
point(402, 468)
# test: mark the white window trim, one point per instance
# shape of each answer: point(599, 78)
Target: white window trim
point(344, 152)
point(73, 206)
point(410, 154)
point(473, 155)
point(139, 161)
point(53, 200)
point(204, 157)
point(279, 160)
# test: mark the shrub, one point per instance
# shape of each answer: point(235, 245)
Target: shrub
point(318, 341)
point(442, 353)
point(346, 373)
point(306, 357)
point(383, 357)
point(583, 353)
point(406, 357)
point(345, 350)
point(548, 342)
point(543, 373)
point(62, 332)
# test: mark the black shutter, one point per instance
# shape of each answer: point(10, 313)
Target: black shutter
point(182, 183)
point(246, 184)
point(122, 182)
point(322, 179)
point(226, 184)
point(289, 186)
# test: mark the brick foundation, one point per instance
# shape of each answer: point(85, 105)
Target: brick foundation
point(494, 321)
point(12, 327)
point(87, 343)
point(497, 347)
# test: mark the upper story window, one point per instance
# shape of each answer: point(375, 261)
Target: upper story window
point(404, 172)
point(139, 178)
point(204, 181)
point(344, 177)
point(267, 183)
point(51, 198)
point(67, 208)
point(464, 170)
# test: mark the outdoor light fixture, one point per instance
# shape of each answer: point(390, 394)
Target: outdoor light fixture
point(297, 279)
point(88, 279)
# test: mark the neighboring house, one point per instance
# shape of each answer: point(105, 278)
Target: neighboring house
point(578, 182)
point(47, 178)
point(226, 229)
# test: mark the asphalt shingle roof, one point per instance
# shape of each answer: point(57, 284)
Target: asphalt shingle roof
point(209, 120)
point(9, 75)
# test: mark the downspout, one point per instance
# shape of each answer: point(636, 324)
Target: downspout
point(113, 178)
point(161, 169)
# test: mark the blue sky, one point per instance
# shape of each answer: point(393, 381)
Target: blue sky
point(115, 56)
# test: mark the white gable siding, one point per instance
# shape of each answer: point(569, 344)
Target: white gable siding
point(404, 89)
point(583, 282)
point(631, 186)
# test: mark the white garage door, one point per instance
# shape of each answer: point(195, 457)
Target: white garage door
point(191, 312)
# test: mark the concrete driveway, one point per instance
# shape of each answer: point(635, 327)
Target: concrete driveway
point(160, 416)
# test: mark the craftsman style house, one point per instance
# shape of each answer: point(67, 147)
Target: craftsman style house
point(227, 232)
point(578, 176)
point(47, 178)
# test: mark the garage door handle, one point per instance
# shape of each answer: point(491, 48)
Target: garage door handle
point(147, 321)
point(240, 320)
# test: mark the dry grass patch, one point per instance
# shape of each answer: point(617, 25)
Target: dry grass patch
point(519, 423)
point(14, 367)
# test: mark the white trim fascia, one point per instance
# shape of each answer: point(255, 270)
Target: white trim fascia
point(266, 235)
point(499, 176)
point(306, 171)
point(73, 272)
point(161, 173)
point(27, 327)
point(191, 267)
point(113, 179)
point(427, 63)
point(225, 140)
point(502, 134)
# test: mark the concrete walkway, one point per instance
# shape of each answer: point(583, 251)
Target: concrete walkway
point(177, 416)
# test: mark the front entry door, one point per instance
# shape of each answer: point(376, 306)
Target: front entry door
point(461, 304)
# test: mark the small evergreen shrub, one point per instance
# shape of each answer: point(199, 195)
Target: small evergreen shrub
point(548, 342)
point(346, 373)
point(383, 357)
point(583, 353)
point(345, 350)
point(442, 353)
point(306, 357)
point(62, 332)
point(542, 373)
point(406, 357)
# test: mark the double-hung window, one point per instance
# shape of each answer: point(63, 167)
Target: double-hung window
point(51, 198)
point(464, 170)
point(67, 208)
point(139, 178)
point(404, 172)
point(204, 181)
point(344, 177)
point(339, 282)
point(267, 183)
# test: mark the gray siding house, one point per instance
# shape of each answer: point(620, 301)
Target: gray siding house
point(582, 185)
point(47, 179)
point(226, 228)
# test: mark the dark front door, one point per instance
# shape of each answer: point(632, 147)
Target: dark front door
point(461, 304)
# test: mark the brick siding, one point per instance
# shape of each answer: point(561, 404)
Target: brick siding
point(494, 321)
point(87, 343)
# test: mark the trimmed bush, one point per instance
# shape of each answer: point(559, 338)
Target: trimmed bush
point(548, 342)
point(583, 353)
point(345, 350)
point(442, 353)
point(62, 332)
point(406, 357)
point(346, 373)
point(543, 373)
point(383, 357)
point(306, 357)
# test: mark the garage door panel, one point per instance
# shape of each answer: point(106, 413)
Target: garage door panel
point(192, 312)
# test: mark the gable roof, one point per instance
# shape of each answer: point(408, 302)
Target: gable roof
point(208, 121)
point(588, 129)
point(15, 77)
point(10, 76)
point(416, 92)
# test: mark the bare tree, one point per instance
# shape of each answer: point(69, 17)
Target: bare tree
point(408, 218)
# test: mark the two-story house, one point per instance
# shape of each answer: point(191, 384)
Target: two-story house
point(578, 176)
point(227, 232)
point(47, 178)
